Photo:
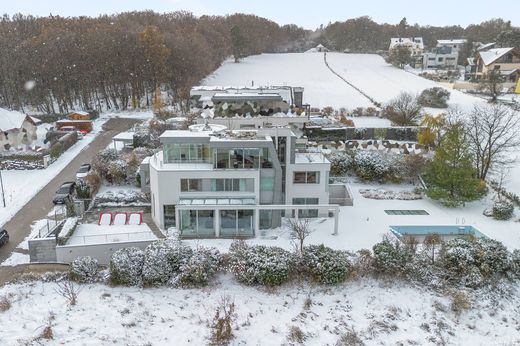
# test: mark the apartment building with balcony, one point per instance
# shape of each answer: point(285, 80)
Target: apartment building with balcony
point(210, 182)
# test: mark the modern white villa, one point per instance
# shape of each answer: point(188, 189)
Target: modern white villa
point(210, 182)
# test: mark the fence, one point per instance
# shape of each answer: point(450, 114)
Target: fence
point(318, 133)
point(47, 229)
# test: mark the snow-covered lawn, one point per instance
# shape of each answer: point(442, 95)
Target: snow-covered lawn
point(364, 224)
point(377, 313)
point(369, 72)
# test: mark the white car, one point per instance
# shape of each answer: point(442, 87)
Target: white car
point(83, 171)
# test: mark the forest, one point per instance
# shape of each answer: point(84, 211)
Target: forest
point(54, 64)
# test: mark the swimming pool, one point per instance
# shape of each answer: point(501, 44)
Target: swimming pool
point(446, 232)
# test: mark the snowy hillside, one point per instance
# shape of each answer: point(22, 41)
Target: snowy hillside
point(368, 72)
point(363, 312)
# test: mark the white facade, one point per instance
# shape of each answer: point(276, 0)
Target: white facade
point(456, 44)
point(219, 183)
point(440, 57)
point(16, 129)
point(415, 44)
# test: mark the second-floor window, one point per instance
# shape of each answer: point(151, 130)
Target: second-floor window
point(306, 178)
point(234, 185)
point(191, 185)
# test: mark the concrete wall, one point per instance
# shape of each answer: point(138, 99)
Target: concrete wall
point(101, 252)
point(320, 190)
point(42, 250)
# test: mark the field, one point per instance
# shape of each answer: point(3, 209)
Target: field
point(369, 72)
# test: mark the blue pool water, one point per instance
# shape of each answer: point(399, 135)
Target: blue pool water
point(448, 230)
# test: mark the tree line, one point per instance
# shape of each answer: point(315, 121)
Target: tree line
point(119, 61)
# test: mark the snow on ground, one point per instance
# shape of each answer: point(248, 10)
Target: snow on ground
point(383, 82)
point(364, 224)
point(322, 88)
point(369, 72)
point(15, 259)
point(21, 186)
point(370, 121)
point(378, 313)
point(95, 234)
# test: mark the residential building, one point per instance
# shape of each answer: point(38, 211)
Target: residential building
point(16, 129)
point(211, 182)
point(455, 44)
point(505, 60)
point(415, 44)
point(242, 100)
point(441, 58)
point(79, 115)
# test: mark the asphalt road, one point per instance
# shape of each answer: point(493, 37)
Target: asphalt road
point(37, 208)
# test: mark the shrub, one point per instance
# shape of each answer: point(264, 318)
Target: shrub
point(199, 268)
point(459, 302)
point(325, 265)
point(503, 210)
point(162, 259)
point(222, 326)
point(262, 265)
point(82, 190)
point(126, 266)
point(340, 163)
point(390, 257)
point(84, 269)
point(375, 165)
point(434, 97)
point(117, 171)
point(492, 257)
point(514, 264)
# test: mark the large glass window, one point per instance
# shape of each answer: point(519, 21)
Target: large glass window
point(266, 159)
point(236, 158)
point(236, 223)
point(191, 185)
point(267, 184)
point(305, 213)
point(232, 185)
point(174, 153)
point(306, 178)
point(169, 216)
point(197, 223)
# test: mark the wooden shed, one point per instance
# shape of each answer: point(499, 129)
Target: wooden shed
point(79, 115)
point(81, 125)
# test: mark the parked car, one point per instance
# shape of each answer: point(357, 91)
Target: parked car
point(73, 129)
point(83, 171)
point(65, 192)
point(4, 237)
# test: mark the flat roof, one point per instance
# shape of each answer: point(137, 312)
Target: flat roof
point(310, 158)
point(103, 234)
point(246, 96)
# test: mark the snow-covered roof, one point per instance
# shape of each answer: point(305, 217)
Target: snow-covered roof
point(490, 56)
point(406, 41)
point(80, 112)
point(11, 119)
point(455, 41)
point(485, 46)
point(246, 96)
point(300, 158)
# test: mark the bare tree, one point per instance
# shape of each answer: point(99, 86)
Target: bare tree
point(431, 241)
point(300, 230)
point(493, 132)
point(492, 84)
point(69, 290)
point(403, 110)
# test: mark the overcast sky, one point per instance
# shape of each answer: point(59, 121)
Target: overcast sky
point(307, 13)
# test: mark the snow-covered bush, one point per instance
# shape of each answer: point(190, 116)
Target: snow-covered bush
point(390, 257)
point(473, 261)
point(340, 163)
point(199, 269)
point(514, 264)
point(375, 165)
point(84, 269)
point(503, 210)
point(67, 230)
point(263, 265)
point(117, 171)
point(162, 259)
point(434, 97)
point(126, 266)
point(325, 265)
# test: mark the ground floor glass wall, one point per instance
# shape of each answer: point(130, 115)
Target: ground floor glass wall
point(236, 223)
point(197, 223)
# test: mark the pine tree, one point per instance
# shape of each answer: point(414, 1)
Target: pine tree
point(238, 43)
point(451, 177)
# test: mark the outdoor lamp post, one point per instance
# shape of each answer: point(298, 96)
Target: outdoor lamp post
point(2, 187)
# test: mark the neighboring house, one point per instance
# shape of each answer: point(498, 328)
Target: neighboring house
point(455, 45)
point(204, 96)
point(505, 60)
point(486, 46)
point(16, 129)
point(415, 44)
point(211, 182)
point(79, 115)
point(440, 57)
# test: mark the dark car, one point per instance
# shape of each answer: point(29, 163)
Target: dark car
point(65, 193)
point(4, 237)
point(83, 171)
